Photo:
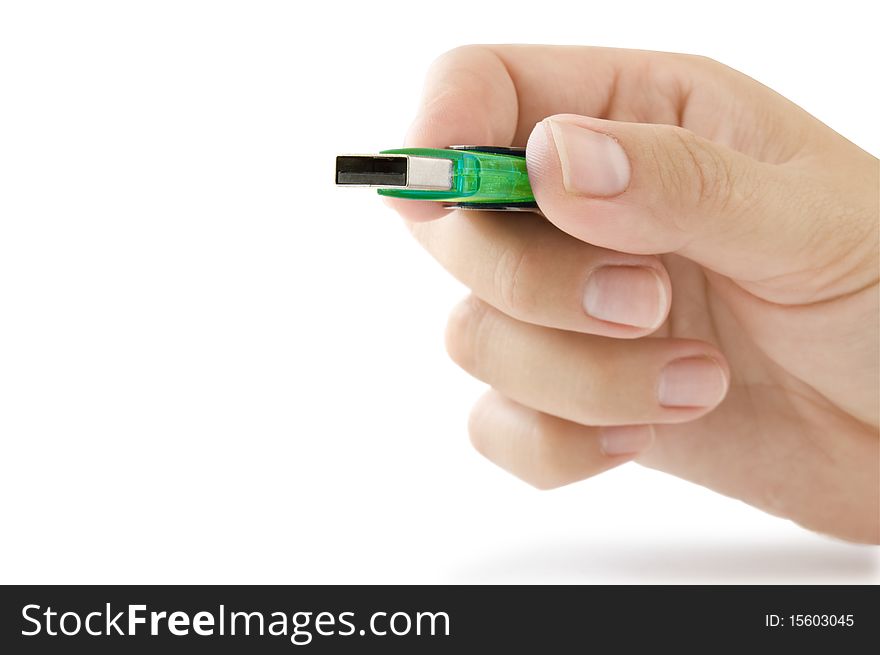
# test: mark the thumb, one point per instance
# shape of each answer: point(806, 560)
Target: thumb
point(646, 188)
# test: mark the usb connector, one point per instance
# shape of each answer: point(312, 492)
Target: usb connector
point(390, 171)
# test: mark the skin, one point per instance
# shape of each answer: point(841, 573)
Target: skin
point(761, 226)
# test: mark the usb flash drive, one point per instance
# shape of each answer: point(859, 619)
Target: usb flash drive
point(465, 177)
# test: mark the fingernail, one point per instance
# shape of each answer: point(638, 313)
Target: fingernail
point(691, 382)
point(629, 295)
point(593, 163)
point(625, 439)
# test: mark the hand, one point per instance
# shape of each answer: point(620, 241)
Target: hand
point(702, 296)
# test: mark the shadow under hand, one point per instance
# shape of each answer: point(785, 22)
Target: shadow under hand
point(821, 561)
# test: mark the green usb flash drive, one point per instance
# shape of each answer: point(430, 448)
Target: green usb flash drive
point(466, 177)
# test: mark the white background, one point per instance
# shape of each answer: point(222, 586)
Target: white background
point(216, 367)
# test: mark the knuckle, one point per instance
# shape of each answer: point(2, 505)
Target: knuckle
point(545, 472)
point(511, 281)
point(542, 484)
point(695, 171)
point(702, 61)
point(594, 390)
point(460, 52)
point(461, 59)
point(478, 431)
point(702, 66)
point(452, 82)
point(446, 59)
point(464, 334)
point(531, 452)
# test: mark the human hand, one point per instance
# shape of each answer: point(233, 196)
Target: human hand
point(702, 298)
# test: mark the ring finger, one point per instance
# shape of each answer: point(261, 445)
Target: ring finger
point(587, 379)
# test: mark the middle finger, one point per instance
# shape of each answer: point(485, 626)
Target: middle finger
point(528, 269)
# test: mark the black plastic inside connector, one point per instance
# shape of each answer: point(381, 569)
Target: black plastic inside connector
point(375, 170)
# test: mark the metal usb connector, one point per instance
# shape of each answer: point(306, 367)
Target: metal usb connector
point(392, 171)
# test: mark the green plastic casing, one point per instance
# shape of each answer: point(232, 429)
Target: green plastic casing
point(477, 178)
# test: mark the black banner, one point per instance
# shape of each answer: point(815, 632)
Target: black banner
point(443, 619)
